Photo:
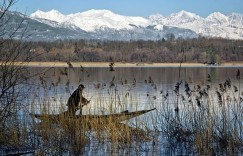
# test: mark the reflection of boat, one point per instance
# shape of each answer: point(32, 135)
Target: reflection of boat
point(117, 117)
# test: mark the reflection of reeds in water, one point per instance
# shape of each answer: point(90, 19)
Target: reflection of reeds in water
point(206, 121)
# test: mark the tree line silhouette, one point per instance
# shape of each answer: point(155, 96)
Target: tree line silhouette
point(200, 50)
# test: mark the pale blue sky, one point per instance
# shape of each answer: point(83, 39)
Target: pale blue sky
point(133, 7)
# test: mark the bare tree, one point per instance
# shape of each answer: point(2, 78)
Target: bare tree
point(13, 75)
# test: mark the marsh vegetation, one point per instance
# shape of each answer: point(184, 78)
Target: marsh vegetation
point(199, 113)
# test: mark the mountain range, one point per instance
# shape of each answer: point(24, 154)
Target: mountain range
point(106, 25)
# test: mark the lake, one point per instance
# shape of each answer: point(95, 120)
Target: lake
point(141, 82)
point(191, 103)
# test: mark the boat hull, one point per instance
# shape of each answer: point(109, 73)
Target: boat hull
point(117, 117)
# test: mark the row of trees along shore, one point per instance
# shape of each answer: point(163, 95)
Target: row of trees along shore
point(200, 50)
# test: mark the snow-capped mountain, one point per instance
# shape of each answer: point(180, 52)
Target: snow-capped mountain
point(104, 24)
point(21, 26)
point(93, 20)
point(215, 25)
point(217, 18)
point(181, 18)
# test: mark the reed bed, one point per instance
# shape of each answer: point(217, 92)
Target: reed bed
point(196, 118)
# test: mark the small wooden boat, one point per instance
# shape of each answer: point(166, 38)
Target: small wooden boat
point(117, 117)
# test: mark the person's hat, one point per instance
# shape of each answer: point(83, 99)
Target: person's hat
point(82, 86)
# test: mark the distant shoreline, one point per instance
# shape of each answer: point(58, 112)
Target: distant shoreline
point(121, 64)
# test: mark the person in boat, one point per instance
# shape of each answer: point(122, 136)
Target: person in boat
point(76, 101)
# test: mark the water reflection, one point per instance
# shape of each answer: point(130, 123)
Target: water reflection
point(168, 75)
point(146, 85)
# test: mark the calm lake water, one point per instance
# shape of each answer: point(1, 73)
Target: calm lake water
point(138, 88)
point(131, 87)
